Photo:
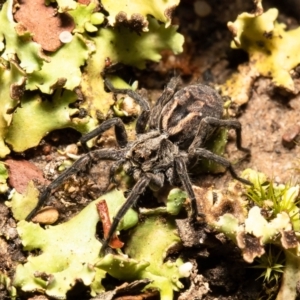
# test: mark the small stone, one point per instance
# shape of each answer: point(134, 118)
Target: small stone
point(185, 269)
point(46, 149)
point(48, 215)
point(289, 138)
point(72, 149)
point(65, 37)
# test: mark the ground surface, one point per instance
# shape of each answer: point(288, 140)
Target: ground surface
point(266, 118)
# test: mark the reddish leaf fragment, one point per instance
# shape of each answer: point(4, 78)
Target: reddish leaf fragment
point(104, 216)
point(21, 172)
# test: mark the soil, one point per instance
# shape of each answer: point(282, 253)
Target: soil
point(270, 121)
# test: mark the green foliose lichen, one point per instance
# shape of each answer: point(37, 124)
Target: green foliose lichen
point(75, 66)
point(272, 49)
point(70, 252)
point(3, 178)
point(138, 11)
point(36, 118)
point(13, 45)
point(148, 246)
point(22, 204)
point(12, 78)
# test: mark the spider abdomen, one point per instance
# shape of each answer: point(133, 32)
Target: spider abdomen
point(181, 116)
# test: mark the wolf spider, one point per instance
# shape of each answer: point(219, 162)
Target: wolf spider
point(170, 139)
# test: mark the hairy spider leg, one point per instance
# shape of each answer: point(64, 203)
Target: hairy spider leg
point(166, 96)
point(201, 152)
point(120, 132)
point(143, 118)
point(134, 195)
point(78, 166)
point(181, 169)
point(209, 122)
point(195, 149)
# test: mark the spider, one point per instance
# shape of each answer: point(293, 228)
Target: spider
point(170, 139)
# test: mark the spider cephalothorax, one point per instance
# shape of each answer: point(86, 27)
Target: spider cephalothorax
point(170, 139)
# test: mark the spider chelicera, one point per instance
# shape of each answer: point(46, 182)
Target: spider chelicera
point(170, 139)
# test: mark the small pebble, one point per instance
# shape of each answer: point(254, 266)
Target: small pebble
point(72, 149)
point(289, 138)
point(185, 269)
point(48, 215)
point(46, 149)
point(65, 37)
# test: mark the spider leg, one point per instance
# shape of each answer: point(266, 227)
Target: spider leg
point(206, 126)
point(78, 165)
point(144, 116)
point(165, 97)
point(169, 91)
point(201, 152)
point(114, 168)
point(120, 132)
point(182, 172)
point(134, 195)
